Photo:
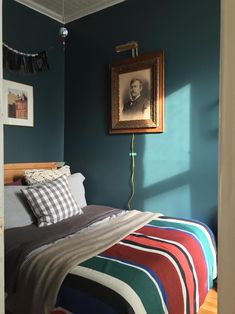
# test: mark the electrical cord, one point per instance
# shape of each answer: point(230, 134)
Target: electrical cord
point(132, 179)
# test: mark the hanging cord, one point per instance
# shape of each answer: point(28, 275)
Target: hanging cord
point(135, 53)
point(133, 46)
point(132, 180)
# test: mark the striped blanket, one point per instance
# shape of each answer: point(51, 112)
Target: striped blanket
point(166, 266)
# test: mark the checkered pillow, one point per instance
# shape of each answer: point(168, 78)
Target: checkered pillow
point(52, 202)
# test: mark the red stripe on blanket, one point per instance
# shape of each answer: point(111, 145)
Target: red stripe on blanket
point(180, 260)
point(160, 266)
point(191, 245)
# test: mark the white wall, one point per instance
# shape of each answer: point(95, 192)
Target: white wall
point(226, 223)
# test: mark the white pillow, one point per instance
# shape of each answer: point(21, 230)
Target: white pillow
point(35, 176)
point(52, 202)
point(17, 212)
point(76, 187)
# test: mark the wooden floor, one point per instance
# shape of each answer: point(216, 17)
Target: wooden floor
point(210, 304)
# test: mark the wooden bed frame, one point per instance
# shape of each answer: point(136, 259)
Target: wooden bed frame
point(15, 171)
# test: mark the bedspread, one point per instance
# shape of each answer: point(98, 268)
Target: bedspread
point(167, 266)
point(136, 263)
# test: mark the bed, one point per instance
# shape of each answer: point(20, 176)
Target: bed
point(103, 260)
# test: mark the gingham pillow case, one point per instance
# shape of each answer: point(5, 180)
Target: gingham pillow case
point(52, 202)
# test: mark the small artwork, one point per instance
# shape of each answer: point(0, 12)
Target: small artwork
point(18, 103)
point(137, 95)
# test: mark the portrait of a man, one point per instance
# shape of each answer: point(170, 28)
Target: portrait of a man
point(137, 94)
point(135, 103)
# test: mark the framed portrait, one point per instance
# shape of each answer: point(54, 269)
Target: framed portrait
point(17, 104)
point(137, 95)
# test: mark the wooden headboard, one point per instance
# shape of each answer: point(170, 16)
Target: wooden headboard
point(15, 171)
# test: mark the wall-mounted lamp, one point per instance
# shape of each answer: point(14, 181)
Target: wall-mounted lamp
point(132, 45)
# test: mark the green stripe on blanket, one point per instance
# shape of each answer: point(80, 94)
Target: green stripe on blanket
point(136, 278)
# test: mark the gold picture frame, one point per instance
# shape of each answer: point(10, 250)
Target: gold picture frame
point(137, 94)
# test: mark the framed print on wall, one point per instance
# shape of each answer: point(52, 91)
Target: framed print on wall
point(17, 103)
point(137, 95)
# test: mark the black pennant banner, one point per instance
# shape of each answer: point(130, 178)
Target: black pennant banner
point(24, 63)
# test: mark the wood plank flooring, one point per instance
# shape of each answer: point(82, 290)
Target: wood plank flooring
point(210, 304)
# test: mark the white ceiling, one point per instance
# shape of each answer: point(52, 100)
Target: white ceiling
point(66, 11)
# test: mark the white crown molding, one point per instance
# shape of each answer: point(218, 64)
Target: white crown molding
point(68, 18)
point(91, 9)
point(41, 9)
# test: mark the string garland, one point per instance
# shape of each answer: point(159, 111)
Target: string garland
point(24, 63)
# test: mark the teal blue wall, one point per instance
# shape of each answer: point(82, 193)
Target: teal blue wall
point(176, 172)
point(29, 31)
